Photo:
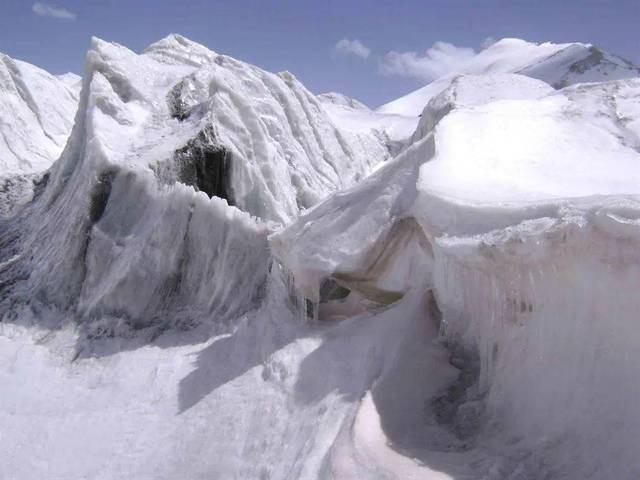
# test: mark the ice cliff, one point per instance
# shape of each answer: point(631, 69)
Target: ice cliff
point(515, 212)
point(169, 184)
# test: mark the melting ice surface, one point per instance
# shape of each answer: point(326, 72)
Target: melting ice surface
point(225, 276)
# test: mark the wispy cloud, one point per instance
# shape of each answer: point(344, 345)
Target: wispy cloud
point(487, 42)
point(440, 59)
point(47, 10)
point(352, 47)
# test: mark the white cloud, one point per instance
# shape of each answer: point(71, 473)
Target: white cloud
point(487, 42)
point(352, 47)
point(440, 59)
point(46, 10)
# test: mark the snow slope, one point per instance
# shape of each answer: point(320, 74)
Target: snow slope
point(36, 116)
point(335, 98)
point(518, 218)
point(352, 115)
point(558, 65)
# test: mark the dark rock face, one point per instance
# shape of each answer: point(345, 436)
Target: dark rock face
point(594, 58)
point(100, 195)
point(460, 407)
point(330, 290)
point(177, 106)
point(206, 166)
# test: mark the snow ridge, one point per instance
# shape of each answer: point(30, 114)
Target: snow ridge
point(559, 65)
point(37, 112)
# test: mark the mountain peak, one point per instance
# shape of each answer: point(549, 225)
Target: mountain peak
point(558, 64)
point(177, 48)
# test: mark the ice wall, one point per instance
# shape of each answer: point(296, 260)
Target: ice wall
point(537, 288)
point(179, 162)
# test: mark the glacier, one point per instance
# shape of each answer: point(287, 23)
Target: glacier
point(224, 275)
point(517, 275)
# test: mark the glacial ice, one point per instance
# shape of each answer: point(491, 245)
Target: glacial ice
point(225, 276)
point(524, 233)
point(125, 187)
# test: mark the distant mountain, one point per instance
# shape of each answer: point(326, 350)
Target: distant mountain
point(36, 116)
point(340, 99)
point(558, 65)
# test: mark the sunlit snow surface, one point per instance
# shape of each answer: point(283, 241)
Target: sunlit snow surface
point(466, 311)
point(558, 65)
point(36, 116)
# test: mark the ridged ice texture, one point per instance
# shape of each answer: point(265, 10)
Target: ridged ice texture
point(510, 226)
point(527, 240)
point(116, 236)
point(285, 153)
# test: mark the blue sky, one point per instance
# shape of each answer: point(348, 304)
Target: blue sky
point(301, 36)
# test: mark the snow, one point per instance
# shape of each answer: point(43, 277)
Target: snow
point(392, 130)
point(476, 90)
point(72, 81)
point(36, 116)
point(36, 113)
point(522, 151)
point(558, 65)
point(225, 276)
point(335, 98)
point(353, 116)
point(535, 276)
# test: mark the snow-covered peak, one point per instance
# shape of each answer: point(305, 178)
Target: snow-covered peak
point(176, 48)
point(36, 115)
point(340, 99)
point(580, 63)
point(71, 80)
point(558, 65)
point(513, 54)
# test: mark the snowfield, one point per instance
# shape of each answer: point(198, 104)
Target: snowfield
point(226, 276)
